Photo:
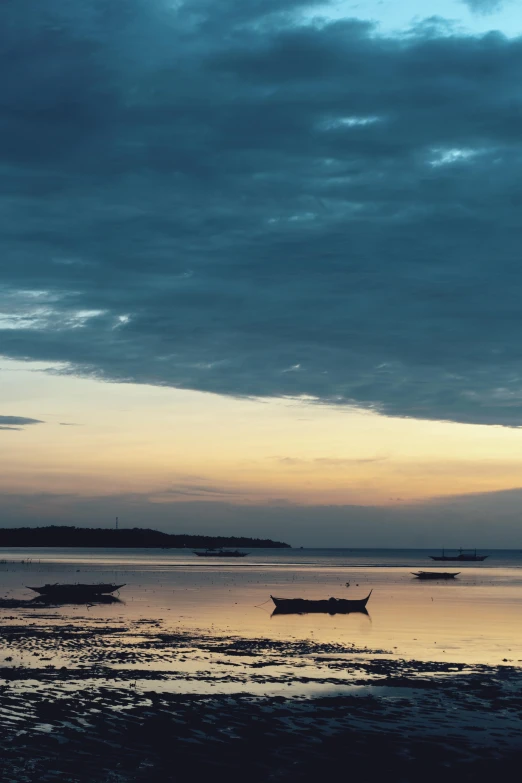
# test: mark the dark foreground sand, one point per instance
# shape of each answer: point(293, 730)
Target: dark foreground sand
point(136, 702)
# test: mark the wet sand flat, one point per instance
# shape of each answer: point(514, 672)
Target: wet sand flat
point(135, 702)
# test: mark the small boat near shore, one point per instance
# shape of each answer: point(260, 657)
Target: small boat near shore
point(462, 557)
point(327, 606)
point(435, 574)
point(75, 590)
point(221, 553)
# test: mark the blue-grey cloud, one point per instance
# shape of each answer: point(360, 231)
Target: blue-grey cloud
point(196, 490)
point(484, 6)
point(16, 422)
point(228, 197)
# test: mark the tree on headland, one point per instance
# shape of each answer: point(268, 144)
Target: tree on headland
point(135, 538)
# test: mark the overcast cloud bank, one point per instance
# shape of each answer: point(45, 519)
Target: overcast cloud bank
point(230, 198)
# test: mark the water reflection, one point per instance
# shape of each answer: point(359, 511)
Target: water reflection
point(477, 618)
point(75, 600)
point(315, 610)
point(40, 601)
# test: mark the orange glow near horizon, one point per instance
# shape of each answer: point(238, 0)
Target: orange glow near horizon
point(173, 445)
point(176, 445)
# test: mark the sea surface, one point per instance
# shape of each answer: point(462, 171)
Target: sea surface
point(476, 619)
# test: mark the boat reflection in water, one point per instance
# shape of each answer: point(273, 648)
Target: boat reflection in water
point(435, 574)
point(44, 600)
point(277, 611)
point(78, 600)
point(328, 606)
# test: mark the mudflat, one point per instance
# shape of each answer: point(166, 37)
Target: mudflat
point(135, 702)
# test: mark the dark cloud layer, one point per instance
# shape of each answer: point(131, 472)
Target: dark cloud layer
point(484, 6)
point(227, 197)
point(16, 422)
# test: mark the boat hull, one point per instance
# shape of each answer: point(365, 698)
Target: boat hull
point(328, 606)
point(221, 554)
point(432, 575)
point(460, 559)
point(74, 590)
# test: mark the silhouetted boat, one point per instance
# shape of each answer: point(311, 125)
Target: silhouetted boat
point(221, 553)
point(328, 606)
point(435, 574)
point(462, 557)
point(74, 591)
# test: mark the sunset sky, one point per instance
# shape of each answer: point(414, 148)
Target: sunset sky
point(261, 268)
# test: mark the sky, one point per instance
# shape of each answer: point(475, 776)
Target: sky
point(260, 268)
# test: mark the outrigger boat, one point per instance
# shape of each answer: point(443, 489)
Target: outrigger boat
point(74, 591)
point(328, 606)
point(462, 557)
point(435, 575)
point(221, 553)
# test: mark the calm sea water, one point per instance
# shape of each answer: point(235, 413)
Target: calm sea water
point(478, 618)
point(414, 558)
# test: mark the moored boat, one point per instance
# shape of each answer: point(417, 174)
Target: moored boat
point(462, 557)
point(66, 590)
point(221, 553)
point(435, 574)
point(327, 606)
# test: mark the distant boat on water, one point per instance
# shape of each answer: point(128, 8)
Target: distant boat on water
point(462, 557)
point(327, 606)
point(221, 553)
point(435, 574)
point(73, 591)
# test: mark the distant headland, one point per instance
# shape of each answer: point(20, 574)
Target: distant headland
point(131, 538)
